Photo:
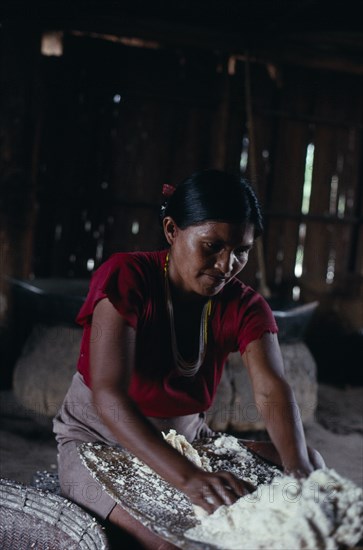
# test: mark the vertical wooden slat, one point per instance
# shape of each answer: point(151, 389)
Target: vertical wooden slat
point(289, 153)
point(336, 152)
point(236, 121)
point(263, 95)
point(286, 195)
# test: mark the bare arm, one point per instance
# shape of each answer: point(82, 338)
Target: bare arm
point(112, 352)
point(277, 404)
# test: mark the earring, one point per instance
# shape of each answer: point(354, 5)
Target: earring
point(166, 266)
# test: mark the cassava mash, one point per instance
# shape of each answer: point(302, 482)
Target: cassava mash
point(323, 511)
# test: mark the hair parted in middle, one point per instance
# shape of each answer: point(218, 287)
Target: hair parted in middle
point(213, 195)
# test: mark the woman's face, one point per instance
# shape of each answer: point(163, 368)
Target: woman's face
point(205, 257)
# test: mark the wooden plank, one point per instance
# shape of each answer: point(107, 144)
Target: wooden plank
point(319, 238)
point(291, 140)
point(236, 122)
point(263, 90)
point(334, 180)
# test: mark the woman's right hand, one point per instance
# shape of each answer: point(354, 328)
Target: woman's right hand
point(211, 490)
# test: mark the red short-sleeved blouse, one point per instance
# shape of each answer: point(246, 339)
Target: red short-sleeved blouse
point(134, 284)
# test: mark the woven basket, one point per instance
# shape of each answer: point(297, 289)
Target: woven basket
point(31, 518)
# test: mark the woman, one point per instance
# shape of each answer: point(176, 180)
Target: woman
point(158, 327)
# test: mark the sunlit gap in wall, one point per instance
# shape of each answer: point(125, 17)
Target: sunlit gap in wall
point(296, 291)
point(343, 199)
point(52, 44)
point(299, 259)
point(90, 264)
point(336, 207)
point(305, 207)
point(308, 176)
point(135, 227)
point(244, 154)
point(341, 206)
point(333, 194)
point(337, 201)
point(330, 272)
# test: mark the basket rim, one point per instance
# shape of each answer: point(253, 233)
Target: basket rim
point(55, 510)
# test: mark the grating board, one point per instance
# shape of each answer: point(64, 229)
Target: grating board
point(154, 502)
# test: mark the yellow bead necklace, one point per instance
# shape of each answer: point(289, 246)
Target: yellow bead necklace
point(186, 368)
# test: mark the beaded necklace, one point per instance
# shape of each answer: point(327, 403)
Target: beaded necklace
point(186, 368)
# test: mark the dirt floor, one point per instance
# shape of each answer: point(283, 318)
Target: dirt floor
point(26, 446)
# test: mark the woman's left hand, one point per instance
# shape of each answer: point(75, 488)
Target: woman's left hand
point(305, 468)
point(299, 471)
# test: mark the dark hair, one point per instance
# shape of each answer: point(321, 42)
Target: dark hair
point(213, 195)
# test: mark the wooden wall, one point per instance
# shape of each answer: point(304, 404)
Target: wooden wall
point(119, 123)
point(323, 110)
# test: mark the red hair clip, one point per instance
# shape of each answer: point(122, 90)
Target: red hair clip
point(168, 190)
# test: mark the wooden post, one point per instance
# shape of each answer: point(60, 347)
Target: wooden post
point(263, 288)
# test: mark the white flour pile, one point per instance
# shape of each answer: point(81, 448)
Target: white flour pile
point(323, 511)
